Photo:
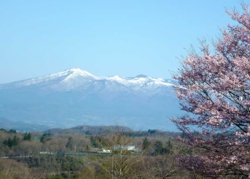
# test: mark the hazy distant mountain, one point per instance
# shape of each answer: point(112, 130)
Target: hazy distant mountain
point(74, 97)
point(20, 126)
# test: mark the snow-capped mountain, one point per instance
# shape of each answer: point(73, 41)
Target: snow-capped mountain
point(75, 78)
point(76, 96)
point(68, 79)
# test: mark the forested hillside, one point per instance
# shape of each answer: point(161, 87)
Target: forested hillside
point(99, 152)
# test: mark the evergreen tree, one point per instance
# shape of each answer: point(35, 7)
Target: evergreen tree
point(13, 131)
point(11, 142)
point(169, 147)
point(69, 144)
point(158, 147)
point(27, 136)
point(145, 144)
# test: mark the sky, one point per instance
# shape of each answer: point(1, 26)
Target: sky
point(105, 37)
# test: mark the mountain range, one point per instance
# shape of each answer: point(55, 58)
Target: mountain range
point(76, 97)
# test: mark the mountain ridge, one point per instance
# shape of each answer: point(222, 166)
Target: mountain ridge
point(73, 97)
point(74, 73)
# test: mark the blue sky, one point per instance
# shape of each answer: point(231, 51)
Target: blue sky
point(111, 37)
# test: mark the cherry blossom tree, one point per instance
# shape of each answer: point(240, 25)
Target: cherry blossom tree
point(215, 92)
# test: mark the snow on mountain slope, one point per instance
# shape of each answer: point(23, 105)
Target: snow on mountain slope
point(70, 79)
point(72, 96)
point(140, 81)
point(76, 78)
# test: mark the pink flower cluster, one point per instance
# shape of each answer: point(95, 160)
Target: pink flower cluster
point(215, 89)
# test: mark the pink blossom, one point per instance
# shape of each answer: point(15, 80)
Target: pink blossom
point(215, 89)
